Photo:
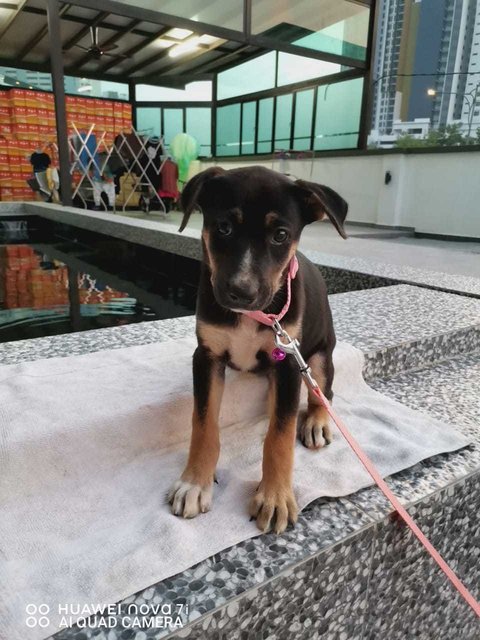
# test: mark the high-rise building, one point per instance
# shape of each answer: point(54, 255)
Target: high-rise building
point(471, 83)
point(386, 63)
point(444, 42)
point(422, 45)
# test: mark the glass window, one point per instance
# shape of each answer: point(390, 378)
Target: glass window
point(303, 119)
point(249, 110)
point(23, 79)
point(228, 130)
point(224, 13)
point(283, 121)
point(149, 120)
point(74, 86)
point(199, 125)
point(193, 92)
point(265, 125)
point(102, 89)
point(335, 26)
point(254, 75)
point(293, 68)
point(172, 123)
point(337, 120)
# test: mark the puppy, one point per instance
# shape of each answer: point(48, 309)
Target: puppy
point(252, 221)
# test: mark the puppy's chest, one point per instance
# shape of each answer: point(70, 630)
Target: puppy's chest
point(246, 347)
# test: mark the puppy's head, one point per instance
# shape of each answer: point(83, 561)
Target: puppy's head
point(252, 221)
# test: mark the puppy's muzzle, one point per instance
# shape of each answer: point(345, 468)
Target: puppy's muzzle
point(240, 295)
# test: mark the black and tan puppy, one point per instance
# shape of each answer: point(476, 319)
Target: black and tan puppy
point(253, 218)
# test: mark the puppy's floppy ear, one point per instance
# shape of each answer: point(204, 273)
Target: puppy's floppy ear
point(192, 190)
point(318, 201)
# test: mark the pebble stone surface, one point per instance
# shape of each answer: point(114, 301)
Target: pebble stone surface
point(343, 273)
point(336, 575)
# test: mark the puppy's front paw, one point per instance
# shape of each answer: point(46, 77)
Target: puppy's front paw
point(314, 430)
point(273, 507)
point(189, 499)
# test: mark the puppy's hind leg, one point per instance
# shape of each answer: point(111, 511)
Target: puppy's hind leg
point(314, 429)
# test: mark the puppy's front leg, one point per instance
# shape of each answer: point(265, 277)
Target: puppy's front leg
point(192, 494)
point(274, 504)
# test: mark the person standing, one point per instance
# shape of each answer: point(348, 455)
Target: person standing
point(40, 162)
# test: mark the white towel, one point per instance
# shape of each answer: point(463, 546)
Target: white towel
point(90, 444)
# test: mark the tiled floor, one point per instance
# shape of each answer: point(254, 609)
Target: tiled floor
point(332, 542)
point(384, 245)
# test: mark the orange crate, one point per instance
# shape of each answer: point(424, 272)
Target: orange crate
point(108, 109)
point(15, 163)
point(31, 99)
point(5, 115)
point(19, 115)
point(32, 116)
point(17, 97)
point(99, 107)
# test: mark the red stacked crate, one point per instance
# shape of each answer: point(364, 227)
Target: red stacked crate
point(27, 120)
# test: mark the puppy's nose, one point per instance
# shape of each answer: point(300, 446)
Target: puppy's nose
point(241, 293)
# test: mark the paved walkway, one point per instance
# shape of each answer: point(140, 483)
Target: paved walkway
point(381, 245)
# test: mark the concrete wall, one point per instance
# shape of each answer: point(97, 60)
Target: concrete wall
point(436, 193)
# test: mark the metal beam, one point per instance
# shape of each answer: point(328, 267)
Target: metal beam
point(56, 60)
point(84, 31)
point(32, 42)
point(333, 78)
point(132, 98)
point(148, 61)
point(225, 59)
point(85, 21)
point(157, 17)
point(218, 65)
point(367, 95)
point(175, 64)
point(173, 82)
point(247, 19)
point(134, 50)
point(156, 79)
point(271, 43)
point(112, 40)
point(213, 125)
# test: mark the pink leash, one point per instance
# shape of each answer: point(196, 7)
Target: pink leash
point(402, 512)
point(270, 318)
point(291, 346)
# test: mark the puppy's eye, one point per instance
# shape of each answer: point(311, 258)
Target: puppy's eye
point(224, 228)
point(280, 236)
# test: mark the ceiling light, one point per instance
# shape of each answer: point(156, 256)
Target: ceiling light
point(431, 92)
point(164, 44)
point(208, 39)
point(185, 47)
point(179, 34)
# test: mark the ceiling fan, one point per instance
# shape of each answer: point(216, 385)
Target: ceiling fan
point(96, 50)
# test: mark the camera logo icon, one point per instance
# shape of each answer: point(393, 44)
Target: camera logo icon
point(37, 616)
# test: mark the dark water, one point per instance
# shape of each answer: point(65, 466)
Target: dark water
point(57, 279)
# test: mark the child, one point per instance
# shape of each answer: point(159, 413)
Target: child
point(103, 182)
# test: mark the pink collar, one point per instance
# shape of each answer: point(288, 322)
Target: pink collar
point(269, 318)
